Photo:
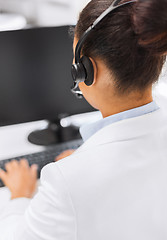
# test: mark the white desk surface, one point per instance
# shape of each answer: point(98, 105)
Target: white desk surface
point(13, 139)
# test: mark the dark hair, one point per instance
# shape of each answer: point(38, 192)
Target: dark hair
point(132, 40)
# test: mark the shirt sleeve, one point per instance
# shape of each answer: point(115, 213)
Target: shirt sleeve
point(49, 215)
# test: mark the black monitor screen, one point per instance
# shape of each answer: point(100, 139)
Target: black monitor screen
point(35, 75)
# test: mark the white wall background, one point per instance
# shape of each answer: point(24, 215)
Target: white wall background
point(45, 12)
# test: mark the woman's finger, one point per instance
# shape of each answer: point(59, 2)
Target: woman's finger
point(14, 164)
point(8, 166)
point(34, 169)
point(24, 163)
point(3, 175)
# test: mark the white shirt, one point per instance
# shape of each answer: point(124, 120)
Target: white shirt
point(88, 130)
point(113, 187)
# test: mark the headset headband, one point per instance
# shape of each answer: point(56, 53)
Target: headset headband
point(112, 7)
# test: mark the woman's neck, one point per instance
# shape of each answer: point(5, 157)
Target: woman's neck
point(120, 104)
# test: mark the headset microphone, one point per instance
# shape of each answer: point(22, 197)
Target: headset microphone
point(82, 70)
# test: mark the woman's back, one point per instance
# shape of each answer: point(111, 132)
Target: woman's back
point(117, 181)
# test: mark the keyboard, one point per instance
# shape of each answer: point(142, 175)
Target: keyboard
point(44, 157)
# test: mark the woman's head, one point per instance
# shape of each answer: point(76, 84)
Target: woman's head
point(131, 41)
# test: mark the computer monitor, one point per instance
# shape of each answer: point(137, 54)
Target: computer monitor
point(35, 78)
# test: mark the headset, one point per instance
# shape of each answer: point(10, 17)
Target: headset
point(82, 70)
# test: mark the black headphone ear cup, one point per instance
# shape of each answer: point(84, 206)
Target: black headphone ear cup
point(78, 72)
point(87, 63)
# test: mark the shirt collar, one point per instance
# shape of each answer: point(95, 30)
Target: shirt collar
point(88, 130)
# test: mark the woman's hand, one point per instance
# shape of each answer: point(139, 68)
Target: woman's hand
point(64, 154)
point(20, 178)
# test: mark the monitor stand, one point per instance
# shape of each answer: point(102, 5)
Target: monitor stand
point(53, 134)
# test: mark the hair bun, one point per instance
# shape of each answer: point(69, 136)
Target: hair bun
point(150, 24)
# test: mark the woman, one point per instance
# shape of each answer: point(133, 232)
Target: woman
point(114, 185)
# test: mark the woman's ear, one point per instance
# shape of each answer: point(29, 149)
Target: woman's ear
point(88, 67)
point(95, 70)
